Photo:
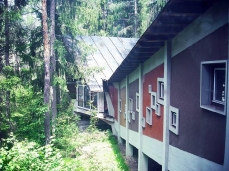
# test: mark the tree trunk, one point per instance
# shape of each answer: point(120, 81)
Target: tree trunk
point(53, 63)
point(47, 70)
point(7, 54)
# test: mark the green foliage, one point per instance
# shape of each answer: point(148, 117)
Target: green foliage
point(25, 155)
point(26, 107)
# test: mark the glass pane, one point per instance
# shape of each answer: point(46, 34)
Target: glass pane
point(80, 96)
point(86, 97)
point(219, 89)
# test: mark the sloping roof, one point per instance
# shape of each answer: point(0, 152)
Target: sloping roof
point(173, 18)
point(109, 52)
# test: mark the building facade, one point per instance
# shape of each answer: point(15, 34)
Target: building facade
point(170, 95)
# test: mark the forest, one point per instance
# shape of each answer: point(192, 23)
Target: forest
point(38, 130)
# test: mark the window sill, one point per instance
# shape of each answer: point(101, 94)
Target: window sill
point(213, 108)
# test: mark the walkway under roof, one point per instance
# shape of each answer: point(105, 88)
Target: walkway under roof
point(173, 18)
point(107, 53)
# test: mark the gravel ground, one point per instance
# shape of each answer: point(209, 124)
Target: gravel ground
point(132, 162)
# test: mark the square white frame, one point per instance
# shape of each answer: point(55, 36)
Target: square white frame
point(160, 100)
point(153, 95)
point(137, 102)
point(120, 105)
point(130, 106)
point(149, 88)
point(133, 115)
point(143, 122)
point(124, 115)
point(129, 116)
point(174, 128)
point(205, 80)
point(158, 109)
point(149, 116)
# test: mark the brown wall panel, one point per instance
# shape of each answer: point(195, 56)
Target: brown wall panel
point(156, 129)
point(201, 132)
point(123, 98)
point(133, 89)
point(114, 99)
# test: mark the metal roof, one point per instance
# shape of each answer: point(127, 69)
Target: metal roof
point(109, 52)
point(173, 18)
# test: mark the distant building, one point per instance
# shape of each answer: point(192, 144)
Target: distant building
point(107, 53)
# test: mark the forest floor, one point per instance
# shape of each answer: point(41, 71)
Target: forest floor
point(132, 161)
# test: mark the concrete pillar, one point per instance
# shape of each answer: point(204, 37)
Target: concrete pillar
point(129, 148)
point(226, 152)
point(142, 158)
point(167, 82)
point(119, 114)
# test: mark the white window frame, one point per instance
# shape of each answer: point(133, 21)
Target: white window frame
point(130, 105)
point(143, 122)
point(120, 105)
point(160, 90)
point(124, 113)
point(214, 89)
point(149, 116)
point(174, 127)
point(207, 81)
point(137, 102)
point(149, 88)
point(153, 98)
point(158, 109)
point(133, 115)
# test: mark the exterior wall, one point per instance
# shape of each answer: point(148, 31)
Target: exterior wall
point(156, 129)
point(114, 99)
point(133, 89)
point(123, 98)
point(201, 132)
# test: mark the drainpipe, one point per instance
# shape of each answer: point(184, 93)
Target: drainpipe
point(226, 150)
point(142, 158)
point(129, 148)
point(167, 83)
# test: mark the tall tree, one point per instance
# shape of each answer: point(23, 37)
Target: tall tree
point(53, 63)
point(46, 70)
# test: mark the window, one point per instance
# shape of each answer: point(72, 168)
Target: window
point(143, 122)
point(219, 86)
point(130, 105)
point(213, 86)
point(158, 110)
point(124, 113)
point(153, 100)
point(149, 115)
point(84, 96)
point(174, 120)
point(137, 102)
point(120, 105)
point(133, 115)
point(160, 90)
point(149, 88)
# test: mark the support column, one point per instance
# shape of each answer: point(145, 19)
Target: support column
point(167, 83)
point(142, 158)
point(226, 151)
point(119, 108)
point(129, 148)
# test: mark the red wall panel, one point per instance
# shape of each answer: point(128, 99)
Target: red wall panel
point(156, 129)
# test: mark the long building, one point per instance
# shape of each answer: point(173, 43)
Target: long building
point(170, 95)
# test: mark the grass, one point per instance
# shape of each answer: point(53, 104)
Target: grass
point(94, 151)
